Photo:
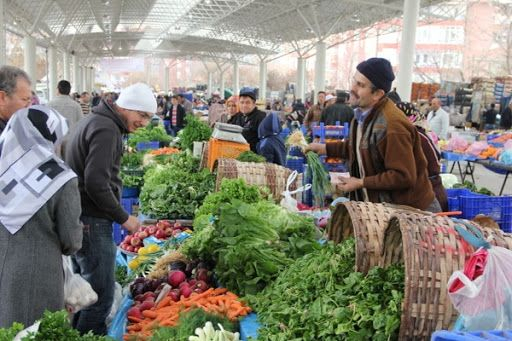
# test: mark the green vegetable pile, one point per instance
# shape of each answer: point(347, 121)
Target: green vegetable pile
point(132, 161)
point(250, 243)
point(321, 185)
point(472, 187)
point(148, 134)
point(231, 189)
point(131, 180)
point(321, 297)
point(54, 326)
point(195, 130)
point(187, 324)
point(250, 156)
point(175, 190)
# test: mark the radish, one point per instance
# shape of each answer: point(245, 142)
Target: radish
point(202, 275)
point(135, 312)
point(186, 291)
point(175, 278)
point(146, 305)
point(174, 294)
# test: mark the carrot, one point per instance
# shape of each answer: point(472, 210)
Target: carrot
point(134, 319)
point(164, 302)
point(150, 314)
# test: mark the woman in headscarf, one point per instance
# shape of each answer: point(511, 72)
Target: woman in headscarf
point(271, 144)
point(234, 116)
point(39, 215)
point(430, 150)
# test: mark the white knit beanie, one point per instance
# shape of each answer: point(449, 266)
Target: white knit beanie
point(137, 97)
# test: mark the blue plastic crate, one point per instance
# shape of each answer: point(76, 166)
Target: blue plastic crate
point(295, 164)
point(453, 195)
point(249, 326)
point(130, 192)
point(444, 335)
point(338, 131)
point(336, 167)
point(498, 208)
point(148, 145)
point(295, 151)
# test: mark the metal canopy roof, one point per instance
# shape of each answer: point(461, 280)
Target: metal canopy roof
point(180, 28)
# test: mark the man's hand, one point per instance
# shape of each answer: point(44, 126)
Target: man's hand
point(318, 148)
point(132, 225)
point(349, 184)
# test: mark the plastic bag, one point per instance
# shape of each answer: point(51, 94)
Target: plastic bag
point(457, 143)
point(118, 297)
point(118, 326)
point(289, 202)
point(476, 148)
point(78, 293)
point(482, 293)
point(507, 145)
point(506, 157)
point(27, 331)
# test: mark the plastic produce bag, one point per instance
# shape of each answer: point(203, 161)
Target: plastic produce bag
point(477, 148)
point(289, 202)
point(118, 297)
point(506, 157)
point(78, 293)
point(457, 143)
point(118, 326)
point(482, 293)
point(507, 145)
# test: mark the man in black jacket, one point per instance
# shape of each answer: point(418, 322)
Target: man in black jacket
point(337, 112)
point(175, 115)
point(252, 116)
point(94, 153)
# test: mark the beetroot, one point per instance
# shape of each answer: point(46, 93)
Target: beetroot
point(176, 277)
point(202, 275)
point(201, 285)
point(185, 291)
point(146, 305)
point(135, 312)
point(174, 294)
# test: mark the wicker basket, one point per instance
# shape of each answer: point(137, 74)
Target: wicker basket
point(367, 222)
point(261, 174)
point(431, 251)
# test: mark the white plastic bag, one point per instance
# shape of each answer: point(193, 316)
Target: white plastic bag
point(78, 293)
point(289, 202)
point(485, 303)
point(26, 332)
point(118, 297)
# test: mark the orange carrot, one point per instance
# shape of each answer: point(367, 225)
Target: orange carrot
point(150, 314)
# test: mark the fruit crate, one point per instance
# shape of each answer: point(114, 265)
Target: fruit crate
point(224, 149)
point(444, 335)
point(498, 208)
point(131, 205)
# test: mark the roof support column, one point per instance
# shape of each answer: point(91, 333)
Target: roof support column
point(166, 80)
point(301, 79)
point(3, 52)
point(67, 66)
point(222, 84)
point(29, 58)
point(321, 50)
point(407, 48)
point(76, 75)
point(52, 71)
point(93, 77)
point(83, 78)
point(210, 83)
point(263, 80)
point(236, 77)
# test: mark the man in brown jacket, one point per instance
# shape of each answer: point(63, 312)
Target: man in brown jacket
point(384, 152)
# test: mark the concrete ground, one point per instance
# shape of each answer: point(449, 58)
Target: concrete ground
point(486, 178)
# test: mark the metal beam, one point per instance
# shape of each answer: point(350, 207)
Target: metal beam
point(42, 12)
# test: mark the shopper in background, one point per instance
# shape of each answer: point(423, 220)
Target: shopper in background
point(15, 92)
point(315, 112)
point(506, 117)
point(94, 153)
point(66, 106)
point(438, 119)
point(271, 144)
point(232, 110)
point(339, 112)
point(175, 115)
point(85, 102)
point(252, 117)
point(215, 111)
point(384, 154)
point(39, 216)
point(432, 153)
point(187, 105)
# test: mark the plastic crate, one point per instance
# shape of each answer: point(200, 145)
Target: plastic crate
point(336, 132)
point(148, 145)
point(444, 335)
point(130, 192)
point(295, 164)
point(453, 195)
point(224, 149)
point(295, 151)
point(336, 167)
point(249, 326)
point(131, 206)
point(498, 208)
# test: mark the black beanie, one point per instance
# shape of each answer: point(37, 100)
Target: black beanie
point(379, 72)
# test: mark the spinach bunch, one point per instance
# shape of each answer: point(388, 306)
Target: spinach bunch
point(132, 160)
point(131, 180)
point(195, 130)
point(175, 190)
point(321, 297)
point(148, 134)
point(250, 243)
point(250, 156)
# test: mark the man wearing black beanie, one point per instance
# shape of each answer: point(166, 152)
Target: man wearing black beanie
point(384, 153)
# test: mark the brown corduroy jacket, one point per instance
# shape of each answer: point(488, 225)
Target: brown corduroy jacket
point(395, 167)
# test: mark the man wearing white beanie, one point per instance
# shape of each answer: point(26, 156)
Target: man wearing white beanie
point(94, 153)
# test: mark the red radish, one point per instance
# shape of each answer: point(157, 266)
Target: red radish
point(186, 291)
point(174, 294)
point(192, 282)
point(148, 294)
point(146, 305)
point(184, 284)
point(201, 285)
point(176, 277)
point(139, 298)
point(202, 275)
point(135, 312)
point(135, 241)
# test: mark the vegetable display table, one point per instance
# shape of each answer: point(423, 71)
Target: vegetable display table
point(456, 158)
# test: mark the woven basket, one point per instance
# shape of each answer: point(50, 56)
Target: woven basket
point(367, 222)
point(431, 251)
point(260, 174)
